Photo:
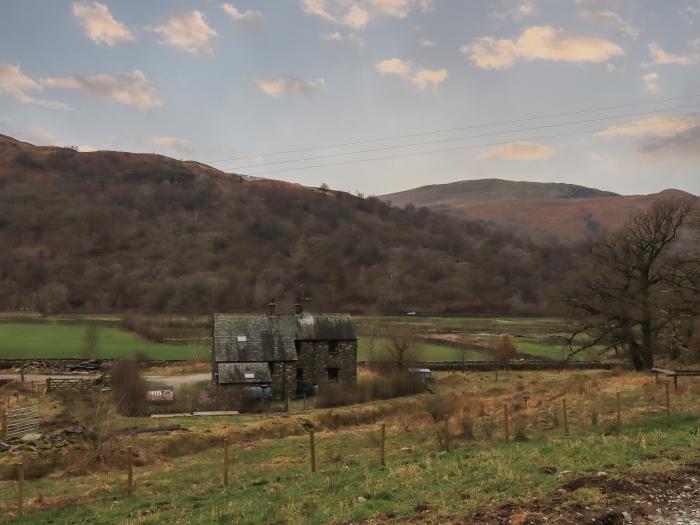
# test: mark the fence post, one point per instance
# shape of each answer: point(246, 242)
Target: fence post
point(668, 401)
point(675, 382)
point(225, 462)
point(20, 489)
point(382, 441)
point(313, 451)
point(505, 422)
point(566, 416)
point(447, 434)
point(619, 410)
point(4, 424)
point(130, 463)
point(48, 385)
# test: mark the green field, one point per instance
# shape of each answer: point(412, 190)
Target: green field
point(271, 482)
point(32, 336)
point(53, 341)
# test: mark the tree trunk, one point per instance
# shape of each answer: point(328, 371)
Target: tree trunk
point(647, 349)
point(636, 356)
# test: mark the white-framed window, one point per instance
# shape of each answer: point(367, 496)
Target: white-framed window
point(242, 338)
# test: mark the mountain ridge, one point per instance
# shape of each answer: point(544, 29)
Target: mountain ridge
point(567, 211)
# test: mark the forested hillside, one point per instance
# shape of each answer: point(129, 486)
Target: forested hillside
point(108, 231)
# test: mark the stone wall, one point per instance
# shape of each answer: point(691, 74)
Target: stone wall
point(319, 360)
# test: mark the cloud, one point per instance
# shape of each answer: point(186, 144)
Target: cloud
point(538, 43)
point(356, 14)
point(17, 84)
point(171, 143)
point(406, 70)
point(99, 24)
point(425, 42)
point(517, 151)
point(660, 126)
point(133, 89)
point(39, 137)
point(351, 39)
point(651, 82)
point(661, 57)
point(281, 86)
point(249, 17)
point(685, 143)
point(189, 33)
point(612, 19)
point(517, 12)
point(661, 134)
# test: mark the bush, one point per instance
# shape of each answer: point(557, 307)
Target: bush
point(128, 388)
point(379, 386)
point(140, 325)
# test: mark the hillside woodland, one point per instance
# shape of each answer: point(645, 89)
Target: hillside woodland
point(112, 231)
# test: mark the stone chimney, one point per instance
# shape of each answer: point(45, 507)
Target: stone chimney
point(298, 308)
point(272, 307)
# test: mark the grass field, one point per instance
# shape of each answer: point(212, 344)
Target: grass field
point(46, 341)
point(271, 481)
point(31, 336)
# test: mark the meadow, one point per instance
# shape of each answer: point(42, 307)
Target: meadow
point(433, 338)
point(178, 478)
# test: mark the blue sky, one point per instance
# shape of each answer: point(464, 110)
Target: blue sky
point(214, 80)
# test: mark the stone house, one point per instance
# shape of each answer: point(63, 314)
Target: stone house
point(291, 354)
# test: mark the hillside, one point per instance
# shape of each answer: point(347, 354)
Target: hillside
point(566, 211)
point(113, 231)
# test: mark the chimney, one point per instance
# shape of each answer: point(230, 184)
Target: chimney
point(298, 308)
point(272, 307)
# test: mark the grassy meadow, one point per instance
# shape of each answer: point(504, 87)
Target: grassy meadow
point(178, 477)
point(53, 341)
point(28, 336)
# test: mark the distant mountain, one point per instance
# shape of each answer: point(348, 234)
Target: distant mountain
point(566, 211)
point(115, 231)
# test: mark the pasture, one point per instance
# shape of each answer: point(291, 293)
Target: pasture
point(28, 336)
point(543, 470)
point(53, 341)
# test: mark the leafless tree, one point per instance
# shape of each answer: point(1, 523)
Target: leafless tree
point(640, 284)
point(371, 341)
point(401, 350)
point(96, 414)
point(505, 350)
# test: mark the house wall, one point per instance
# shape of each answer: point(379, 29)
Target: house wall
point(315, 358)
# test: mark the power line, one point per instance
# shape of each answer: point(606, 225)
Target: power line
point(447, 130)
point(455, 139)
point(458, 148)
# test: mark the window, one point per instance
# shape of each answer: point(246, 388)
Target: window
point(333, 374)
point(332, 347)
point(249, 375)
point(242, 338)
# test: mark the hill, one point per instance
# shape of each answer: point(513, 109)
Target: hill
point(112, 231)
point(566, 211)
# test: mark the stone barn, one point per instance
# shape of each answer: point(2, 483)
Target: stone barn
point(292, 354)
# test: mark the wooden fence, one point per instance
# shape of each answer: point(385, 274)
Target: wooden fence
point(69, 384)
point(20, 420)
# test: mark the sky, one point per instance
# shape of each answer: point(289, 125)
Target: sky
point(367, 96)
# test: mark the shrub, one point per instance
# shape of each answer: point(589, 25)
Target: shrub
point(140, 325)
point(380, 386)
point(128, 388)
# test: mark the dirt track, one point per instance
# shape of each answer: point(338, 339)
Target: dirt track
point(176, 381)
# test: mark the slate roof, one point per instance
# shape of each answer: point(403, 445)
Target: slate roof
point(236, 373)
point(266, 338)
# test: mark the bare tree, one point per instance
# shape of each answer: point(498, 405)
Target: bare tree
point(90, 341)
point(639, 284)
point(371, 341)
point(96, 414)
point(505, 350)
point(401, 350)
